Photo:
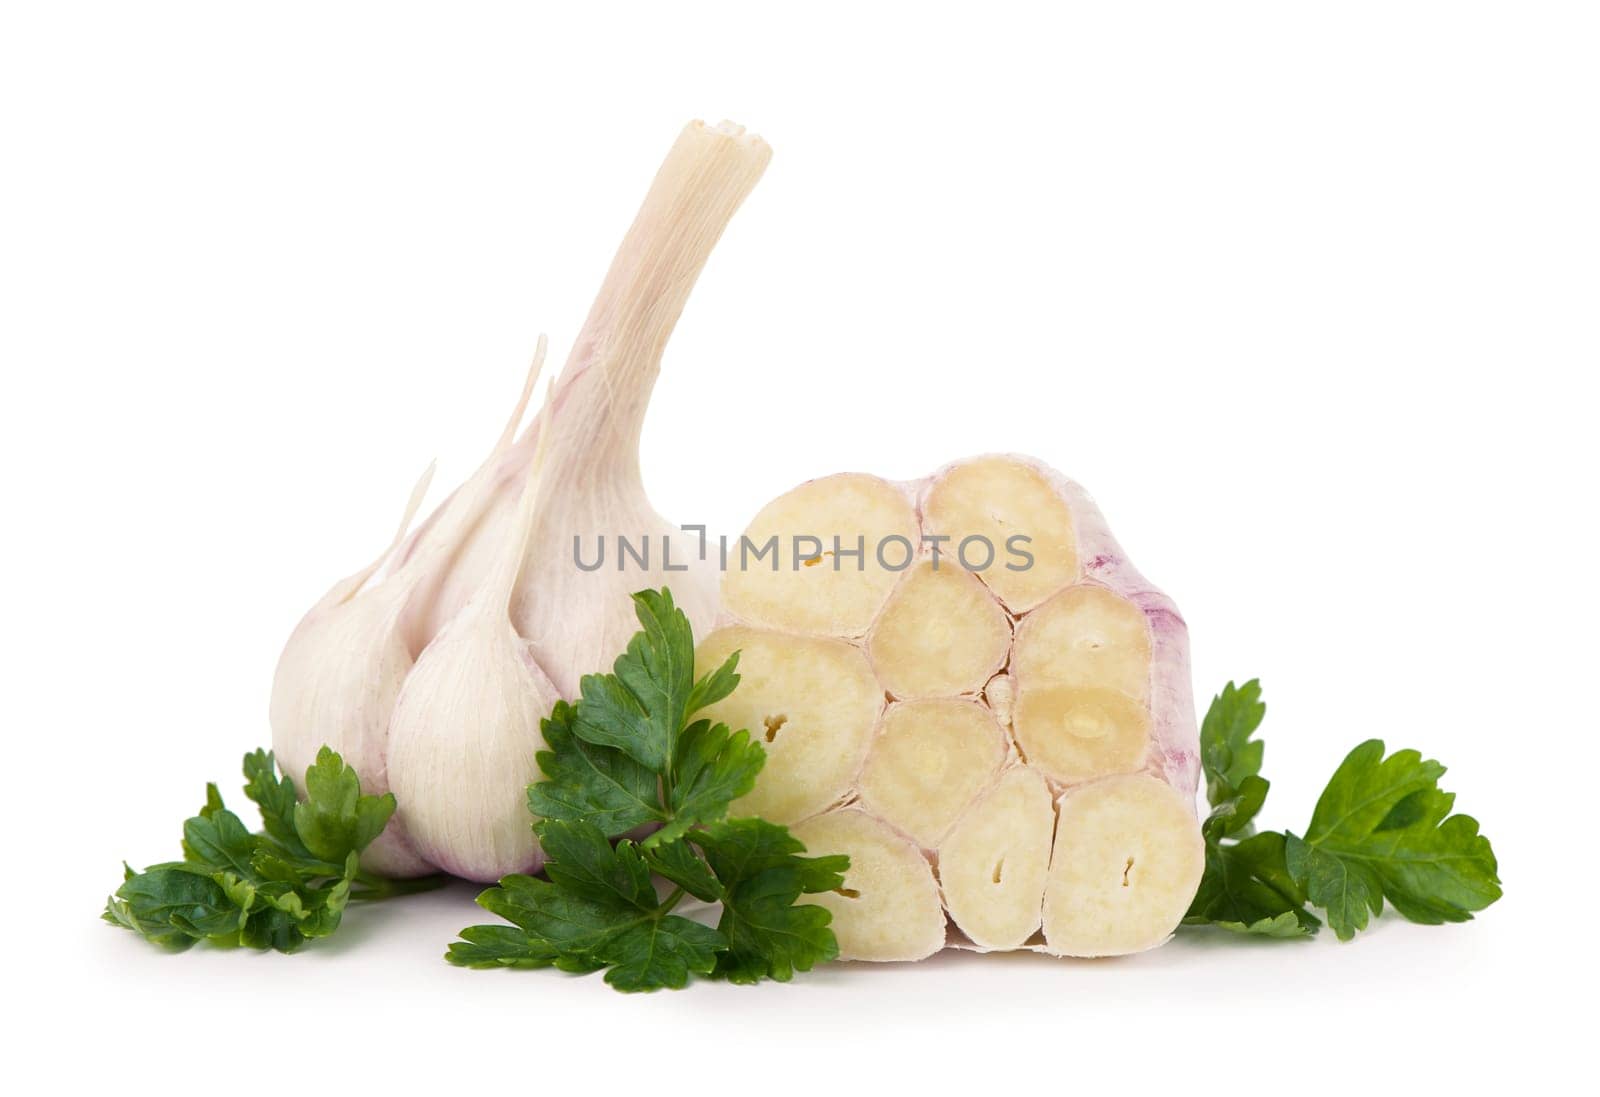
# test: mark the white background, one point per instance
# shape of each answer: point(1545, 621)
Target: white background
point(1306, 295)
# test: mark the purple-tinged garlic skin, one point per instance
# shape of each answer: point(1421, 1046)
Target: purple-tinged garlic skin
point(1175, 737)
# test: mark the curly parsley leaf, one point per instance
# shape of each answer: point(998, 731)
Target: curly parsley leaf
point(275, 889)
point(627, 754)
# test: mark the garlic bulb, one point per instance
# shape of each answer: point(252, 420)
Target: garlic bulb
point(495, 570)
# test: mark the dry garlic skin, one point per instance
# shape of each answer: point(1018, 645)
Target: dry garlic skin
point(928, 761)
point(1046, 675)
point(1127, 861)
point(940, 633)
point(828, 592)
point(889, 906)
point(812, 701)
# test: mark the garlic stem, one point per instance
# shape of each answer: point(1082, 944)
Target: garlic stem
point(617, 355)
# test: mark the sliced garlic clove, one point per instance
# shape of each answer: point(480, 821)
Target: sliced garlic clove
point(888, 908)
point(832, 593)
point(1127, 860)
point(993, 864)
point(813, 702)
point(928, 761)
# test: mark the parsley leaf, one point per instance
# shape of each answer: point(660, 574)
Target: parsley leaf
point(714, 767)
point(1247, 888)
point(1231, 758)
point(761, 876)
point(598, 910)
point(640, 707)
point(630, 753)
point(589, 783)
point(276, 889)
point(335, 819)
point(173, 907)
point(1382, 829)
point(274, 796)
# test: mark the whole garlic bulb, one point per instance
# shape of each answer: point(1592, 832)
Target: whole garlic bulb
point(498, 559)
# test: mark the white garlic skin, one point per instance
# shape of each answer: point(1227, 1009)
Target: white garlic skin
point(462, 746)
point(336, 684)
point(578, 622)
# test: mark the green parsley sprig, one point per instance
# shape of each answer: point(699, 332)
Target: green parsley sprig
point(1382, 830)
point(275, 889)
point(630, 754)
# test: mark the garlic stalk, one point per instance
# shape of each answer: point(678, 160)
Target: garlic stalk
point(340, 678)
point(341, 671)
point(578, 620)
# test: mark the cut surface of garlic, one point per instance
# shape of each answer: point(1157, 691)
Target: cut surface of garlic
point(1036, 723)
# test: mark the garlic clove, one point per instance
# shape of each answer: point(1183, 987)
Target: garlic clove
point(466, 726)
